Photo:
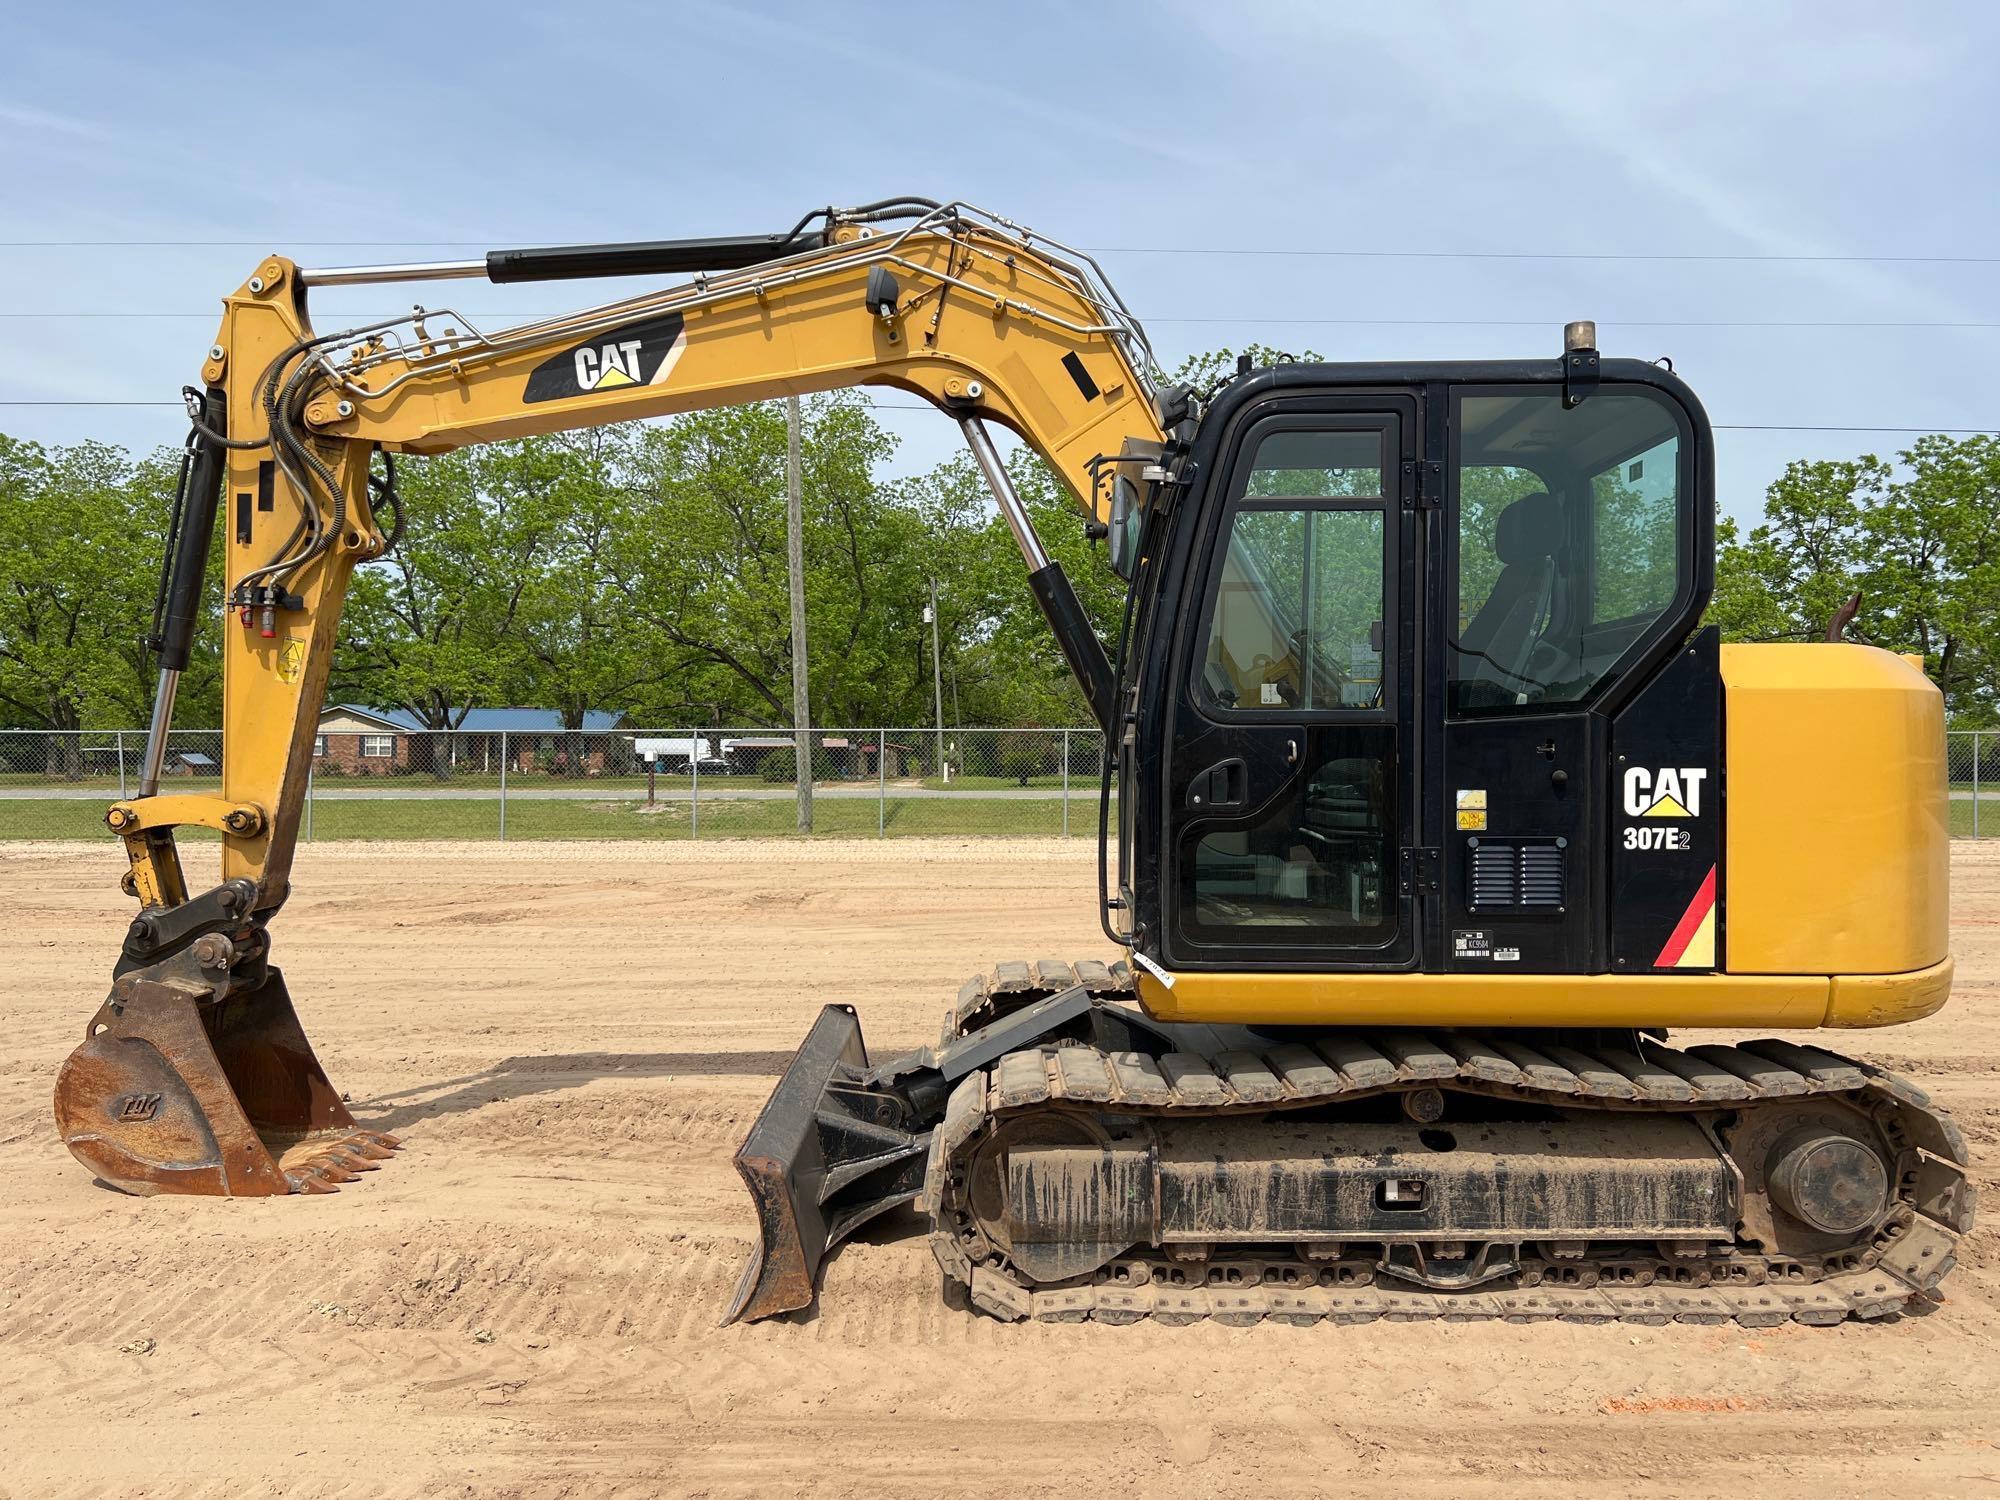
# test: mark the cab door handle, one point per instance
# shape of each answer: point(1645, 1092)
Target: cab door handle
point(1225, 784)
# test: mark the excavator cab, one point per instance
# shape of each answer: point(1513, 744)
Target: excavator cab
point(1385, 651)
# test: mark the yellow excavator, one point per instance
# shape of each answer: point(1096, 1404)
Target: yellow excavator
point(1435, 806)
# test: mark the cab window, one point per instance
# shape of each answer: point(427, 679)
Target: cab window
point(1571, 531)
point(1297, 620)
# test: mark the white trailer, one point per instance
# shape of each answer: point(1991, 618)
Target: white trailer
point(687, 750)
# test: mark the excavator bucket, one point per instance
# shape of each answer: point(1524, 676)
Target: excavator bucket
point(175, 1091)
point(828, 1153)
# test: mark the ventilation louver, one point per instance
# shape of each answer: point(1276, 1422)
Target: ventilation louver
point(1519, 875)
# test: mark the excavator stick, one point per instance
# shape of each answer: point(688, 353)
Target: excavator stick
point(176, 1089)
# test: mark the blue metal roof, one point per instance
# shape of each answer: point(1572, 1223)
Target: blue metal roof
point(535, 720)
point(489, 720)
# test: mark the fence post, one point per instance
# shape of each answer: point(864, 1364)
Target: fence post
point(695, 747)
point(1975, 783)
point(309, 802)
point(1065, 783)
point(503, 786)
point(121, 765)
point(881, 783)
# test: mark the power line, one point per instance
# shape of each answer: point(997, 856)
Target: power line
point(1708, 323)
point(1310, 251)
point(1796, 427)
point(1557, 322)
point(920, 406)
point(1614, 255)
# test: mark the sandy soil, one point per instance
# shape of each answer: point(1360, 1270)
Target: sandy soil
point(572, 1038)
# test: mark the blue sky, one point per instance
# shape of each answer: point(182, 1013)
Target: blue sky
point(1809, 130)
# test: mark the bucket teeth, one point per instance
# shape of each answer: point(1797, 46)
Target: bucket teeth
point(323, 1165)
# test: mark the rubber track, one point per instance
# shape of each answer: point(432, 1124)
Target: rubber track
point(1910, 1256)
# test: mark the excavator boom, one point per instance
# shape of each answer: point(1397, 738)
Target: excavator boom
point(195, 1074)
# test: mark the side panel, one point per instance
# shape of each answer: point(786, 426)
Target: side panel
point(1790, 1001)
point(1523, 868)
point(1839, 846)
point(1492, 998)
point(1668, 881)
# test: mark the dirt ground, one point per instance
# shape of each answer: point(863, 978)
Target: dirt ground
point(572, 1038)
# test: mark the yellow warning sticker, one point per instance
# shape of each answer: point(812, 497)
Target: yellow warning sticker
point(1472, 820)
point(291, 659)
point(1472, 799)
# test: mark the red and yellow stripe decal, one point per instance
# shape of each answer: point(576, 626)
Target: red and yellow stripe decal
point(1692, 943)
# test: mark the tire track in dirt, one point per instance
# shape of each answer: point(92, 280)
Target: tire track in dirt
point(567, 1190)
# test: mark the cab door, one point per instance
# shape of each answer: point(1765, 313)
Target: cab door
point(1290, 774)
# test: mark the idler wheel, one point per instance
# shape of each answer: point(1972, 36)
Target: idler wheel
point(1829, 1181)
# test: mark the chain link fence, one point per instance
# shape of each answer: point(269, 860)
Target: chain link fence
point(383, 783)
point(673, 783)
point(1972, 771)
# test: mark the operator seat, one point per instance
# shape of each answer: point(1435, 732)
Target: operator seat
point(1497, 642)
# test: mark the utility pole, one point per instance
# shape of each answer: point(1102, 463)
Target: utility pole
point(795, 561)
point(937, 683)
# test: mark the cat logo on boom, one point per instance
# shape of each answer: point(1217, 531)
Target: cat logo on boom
point(606, 366)
point(642, 353)
point(1666, 792)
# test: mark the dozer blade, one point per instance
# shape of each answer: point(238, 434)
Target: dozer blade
point(173, 1091)
point(827, 1154)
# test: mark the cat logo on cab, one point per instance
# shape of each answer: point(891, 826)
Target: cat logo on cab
point(1668, 792)
point(1662, 792)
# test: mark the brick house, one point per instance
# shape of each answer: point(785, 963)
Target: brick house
point(356, 741)
point(364, 741)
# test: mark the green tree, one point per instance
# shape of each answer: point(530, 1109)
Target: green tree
point(998, 650)
point(435, 627)
point(1931, 582)
point(586, 644)
point(1919, 540)
point(702, 564)
point(82, 529)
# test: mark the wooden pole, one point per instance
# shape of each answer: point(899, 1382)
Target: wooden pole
point(795, 561)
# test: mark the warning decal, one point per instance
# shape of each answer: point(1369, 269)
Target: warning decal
point(1691, 945)
point(1472, 809)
